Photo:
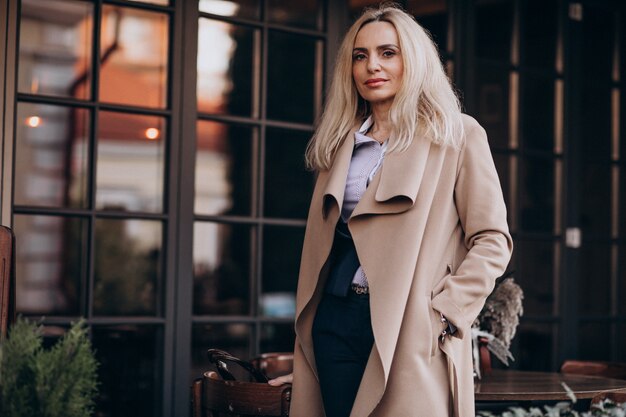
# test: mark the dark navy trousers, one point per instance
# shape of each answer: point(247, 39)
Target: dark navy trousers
point(342, 342)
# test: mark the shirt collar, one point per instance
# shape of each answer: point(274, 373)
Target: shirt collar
point(360, 137)
point(366, 125)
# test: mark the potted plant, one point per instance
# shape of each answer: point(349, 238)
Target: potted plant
point(56, 382)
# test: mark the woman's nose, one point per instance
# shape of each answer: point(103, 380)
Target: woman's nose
point(373, 64)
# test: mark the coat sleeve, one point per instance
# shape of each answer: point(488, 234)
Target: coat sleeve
point(482, 213)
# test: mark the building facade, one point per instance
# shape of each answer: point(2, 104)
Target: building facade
point(152, 169)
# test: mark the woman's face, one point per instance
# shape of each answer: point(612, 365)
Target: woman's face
point(376, 62)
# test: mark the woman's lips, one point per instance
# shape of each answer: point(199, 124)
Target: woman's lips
point(375, 82)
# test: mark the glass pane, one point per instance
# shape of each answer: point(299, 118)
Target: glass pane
point(133, 57)
point(277, 337)
point(595, 199)
point(536, 276)
point(594, 341)
point(621, 281)
point(130, 161)
point(288, 185)
point(221, 268)
point(594, 287)
point(493, 104)
point(51, 156)
point(52, 334)
point(127, 267)
point(248, 9)
point(50, 264)
point(433, 16)
point(598, 41)
point(596, 125)
point(535, 343)
point(621, 351)
point(55, 48)
point(356, 7)
point(540, 23)
point(224, 168)
point(503, 166)
point(538, 112)
point(621, 60)
point(291, 77)
point(622, 197)
point(159, 2)
point(494, 27)
point(234, 338)
point(225, 68)
point(302, 14)
point(282, 248)
point(130, 361)
point(448, 66)
point(537, 195)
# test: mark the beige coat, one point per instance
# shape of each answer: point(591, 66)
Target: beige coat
point(432, 236)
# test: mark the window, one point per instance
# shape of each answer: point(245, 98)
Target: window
point(104, 168)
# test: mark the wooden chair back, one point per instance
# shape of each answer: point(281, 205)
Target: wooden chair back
point(615, 370)
point(274, 364)
point(7, 280)
point(214, 397)
point(615, 396)
point(196, 398)
point(485, 356)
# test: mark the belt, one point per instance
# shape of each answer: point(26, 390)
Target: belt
point(360, 289)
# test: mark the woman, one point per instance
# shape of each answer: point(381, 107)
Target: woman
point(405, 237)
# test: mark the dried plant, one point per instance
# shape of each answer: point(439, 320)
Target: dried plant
point(502, 310)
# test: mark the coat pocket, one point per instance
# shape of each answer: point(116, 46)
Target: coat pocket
point(435, 321)
point(436, 328)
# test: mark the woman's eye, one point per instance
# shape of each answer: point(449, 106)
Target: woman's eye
point(388, 53)
point(358, 57)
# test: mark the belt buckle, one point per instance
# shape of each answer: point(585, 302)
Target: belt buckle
point(360, 290)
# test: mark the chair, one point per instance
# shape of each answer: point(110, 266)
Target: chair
point(7, 280)
point(615, 370)
point(615, 396)
point(211, 396)
point(274, 364)
point(196, 398)
point(485, 356)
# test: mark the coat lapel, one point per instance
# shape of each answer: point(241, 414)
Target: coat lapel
point(320, 229)
point(388, 246)
point(395, 186)
point(336, 185)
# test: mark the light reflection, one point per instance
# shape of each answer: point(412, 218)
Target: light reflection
point(51, 156)
point(134, 48)
point(123, 148)
point(33, 121)
point(55, 48)
point(219, 7)
point(34, 85)
point(214, 84)
point(152, 133)
point(49, 263)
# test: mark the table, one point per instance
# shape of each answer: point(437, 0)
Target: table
point(510, 385)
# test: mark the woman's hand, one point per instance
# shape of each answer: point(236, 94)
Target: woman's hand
point(284, 379)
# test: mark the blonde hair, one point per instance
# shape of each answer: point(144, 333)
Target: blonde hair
point(425, 104)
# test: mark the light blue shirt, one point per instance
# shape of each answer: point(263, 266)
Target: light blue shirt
point(367, 158)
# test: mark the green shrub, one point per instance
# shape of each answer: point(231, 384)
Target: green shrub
point(38, 382)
